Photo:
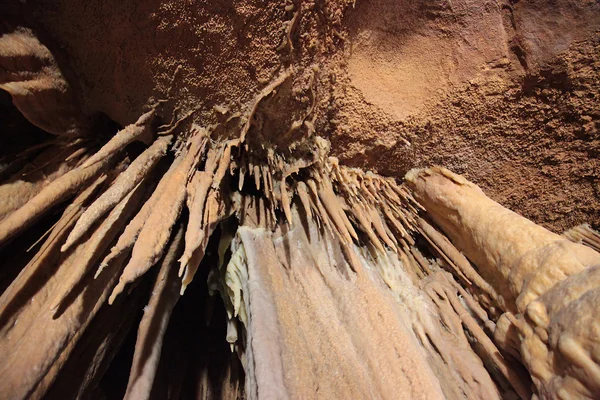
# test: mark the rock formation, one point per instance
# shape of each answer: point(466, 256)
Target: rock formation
point(195, 225)
point(543, 283)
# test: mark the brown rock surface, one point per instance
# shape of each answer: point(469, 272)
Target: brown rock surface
point(505, 93)
point(208, 147)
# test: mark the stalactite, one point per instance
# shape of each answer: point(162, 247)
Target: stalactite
point(122, 186)
point(48, 166)
point(153, 326)
point(584, 234)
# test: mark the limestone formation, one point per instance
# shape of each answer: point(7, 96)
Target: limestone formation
point(546, 284)
point(184, 228)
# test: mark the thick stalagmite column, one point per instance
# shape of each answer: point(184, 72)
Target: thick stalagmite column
point(547, 286)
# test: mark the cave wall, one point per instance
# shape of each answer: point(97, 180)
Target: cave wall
point(505, 93)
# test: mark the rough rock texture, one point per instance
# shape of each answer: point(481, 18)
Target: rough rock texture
point(503, 92)
point(188, 156)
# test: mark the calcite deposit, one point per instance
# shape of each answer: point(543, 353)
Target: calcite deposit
point(240, 200)
point(545, 284)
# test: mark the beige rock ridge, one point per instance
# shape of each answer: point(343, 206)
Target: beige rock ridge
point(547, 286)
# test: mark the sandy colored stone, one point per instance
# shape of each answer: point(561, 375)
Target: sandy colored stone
point(549, 283)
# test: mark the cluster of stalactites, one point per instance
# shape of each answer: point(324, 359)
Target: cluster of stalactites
point(162, 207)
point(356, 206)
point(584, 234)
